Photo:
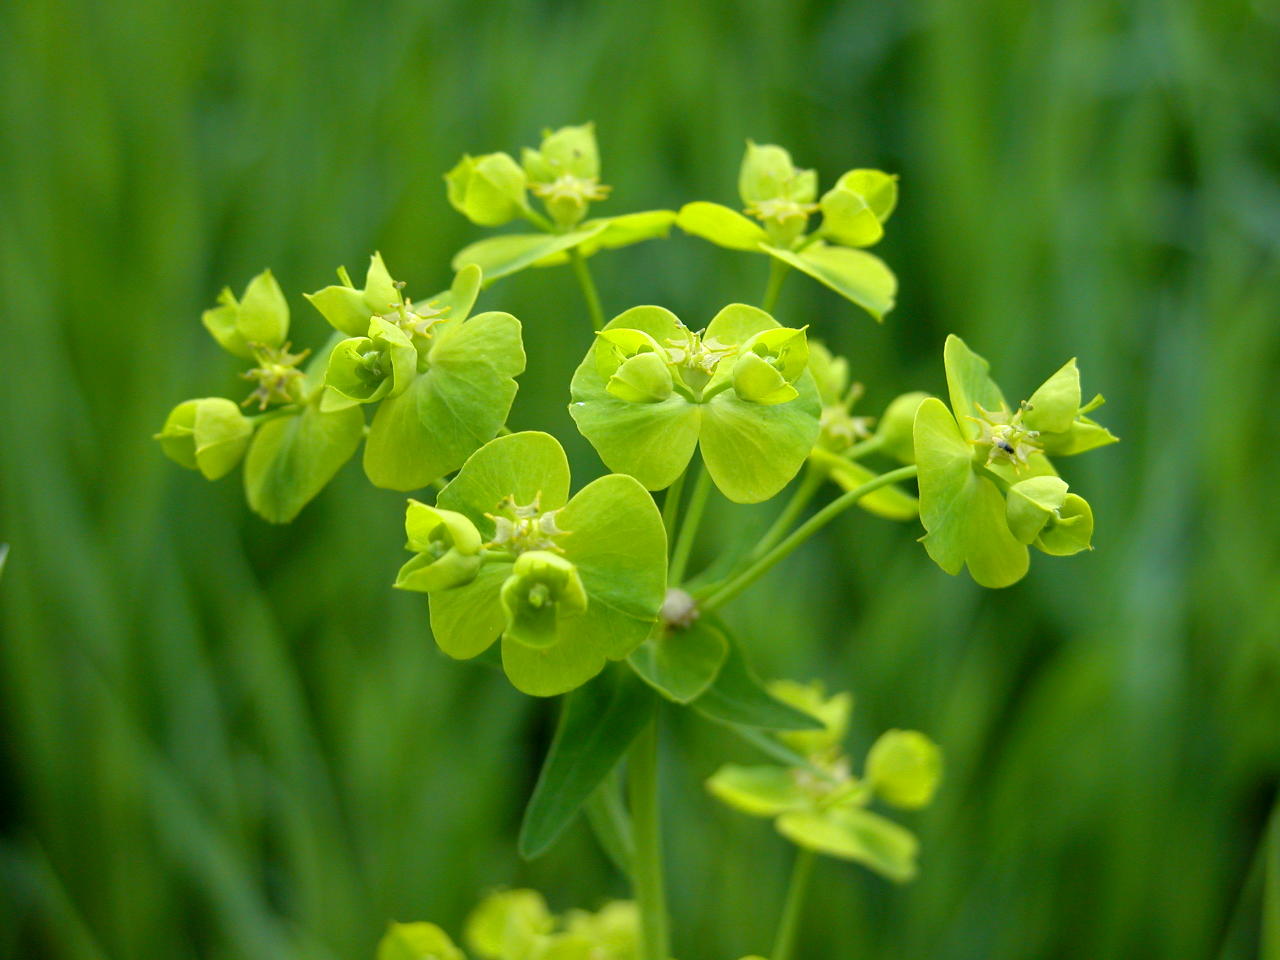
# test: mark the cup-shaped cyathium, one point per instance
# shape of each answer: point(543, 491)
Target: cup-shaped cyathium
point(779, 201)
point(543, 588)
point(566, 583)
point(651, 391)
point(978, 461)
point(366, 369)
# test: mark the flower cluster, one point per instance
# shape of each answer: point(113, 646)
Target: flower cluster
point(820, 805)
point(783, 199)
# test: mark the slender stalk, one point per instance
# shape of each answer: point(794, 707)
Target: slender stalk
point(777, 273)
point(785, 942)
point(671, 506)
point(646, 861)
point(689, 529)
point(610, 822)
point(808, 486)
point(719, 594)
point(859, 450)
point(583, 273)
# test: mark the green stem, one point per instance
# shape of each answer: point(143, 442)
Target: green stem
point(609, 821)
point(689, 529)
point(671, 506)
point(777, 273)
point(720, 594)
point(646, 861)
point(859, 450)
point(785, 942)
point(809, 484)
point(588, 285)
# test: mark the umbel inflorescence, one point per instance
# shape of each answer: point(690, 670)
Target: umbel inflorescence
point(588, 592)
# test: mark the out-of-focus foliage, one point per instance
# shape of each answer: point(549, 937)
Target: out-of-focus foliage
point(224, 739)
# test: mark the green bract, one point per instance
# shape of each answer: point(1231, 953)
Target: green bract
point(567, 583)
point(417, 941)
point(564, 173)
point(782, 197)
point(459, 397)
point(739, 390)
point(209, 435)
point(974, 457)
point(821, 806)
point(347, 309)
point(260, 318)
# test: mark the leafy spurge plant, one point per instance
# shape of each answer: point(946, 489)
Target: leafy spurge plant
point(592, 595)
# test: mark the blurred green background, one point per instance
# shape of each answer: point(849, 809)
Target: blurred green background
point(227, 740)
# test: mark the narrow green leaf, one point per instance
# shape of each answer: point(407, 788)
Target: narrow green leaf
point(597, 725)
point(737, 697)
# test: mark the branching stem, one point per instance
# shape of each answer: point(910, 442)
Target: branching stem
point(589, 292)
point(719, 594)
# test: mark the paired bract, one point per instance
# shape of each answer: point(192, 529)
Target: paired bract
point(820, 805)
point(651, 391)
point(567, 583)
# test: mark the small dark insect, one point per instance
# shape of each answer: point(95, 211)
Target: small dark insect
point(1004, 445)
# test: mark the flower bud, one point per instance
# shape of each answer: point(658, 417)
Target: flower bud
point(488, 190)
point(209, 435)
point(904, 767)
point(768, 364)
point(542, 588)
point(260, 317)
point(366, 369)
point(644, 378)
point(895, 432)
point(447, 546)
